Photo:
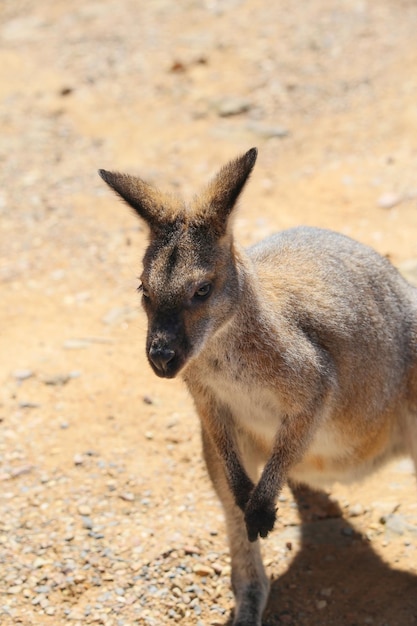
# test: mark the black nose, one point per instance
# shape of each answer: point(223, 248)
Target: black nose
point(160, 357)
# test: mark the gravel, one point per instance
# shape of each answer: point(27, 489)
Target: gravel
point(107, 516)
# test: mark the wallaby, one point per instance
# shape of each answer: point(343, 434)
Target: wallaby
point(300, 354)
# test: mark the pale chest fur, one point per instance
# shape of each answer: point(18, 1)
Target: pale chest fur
point(257, 411)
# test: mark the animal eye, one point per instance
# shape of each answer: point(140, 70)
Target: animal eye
point(142, 289)
point(203, 291)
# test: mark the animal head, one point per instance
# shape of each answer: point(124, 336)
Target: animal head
point(189, 282)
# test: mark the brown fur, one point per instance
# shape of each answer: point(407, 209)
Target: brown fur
point(300, 354)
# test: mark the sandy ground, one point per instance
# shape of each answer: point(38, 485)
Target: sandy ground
point(107, 516)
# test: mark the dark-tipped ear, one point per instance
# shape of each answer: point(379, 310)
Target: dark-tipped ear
point(221, 195)
point(149, 203)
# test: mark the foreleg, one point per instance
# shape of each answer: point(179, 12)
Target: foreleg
point(290, 444)
point(249, 581)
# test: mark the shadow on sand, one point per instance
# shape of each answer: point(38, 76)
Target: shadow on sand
point(336, 579)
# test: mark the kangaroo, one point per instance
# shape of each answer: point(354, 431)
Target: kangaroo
point(300, 354)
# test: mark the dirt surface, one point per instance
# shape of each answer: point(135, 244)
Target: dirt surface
point(107, 516)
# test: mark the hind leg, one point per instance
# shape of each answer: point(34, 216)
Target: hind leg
point(411, 419)
point(249, 581)
point(411, 438)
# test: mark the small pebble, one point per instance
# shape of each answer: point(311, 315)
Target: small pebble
point(389, 200)
point(127, 496)
point(326, 592)
point(355, 510)
point(26, 404)
point(87, 522)
point(267, 132)
point(203, 570)
point(232, 105)
point(395, 523)
point(56, 380)
point(76, 344)
point(22, 374)
point(84, 509)
point(79, 578)
point(189, 549)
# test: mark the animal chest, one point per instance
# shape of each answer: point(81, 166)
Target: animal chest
point(254, 407)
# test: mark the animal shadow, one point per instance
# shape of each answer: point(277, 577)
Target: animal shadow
point(336, 578)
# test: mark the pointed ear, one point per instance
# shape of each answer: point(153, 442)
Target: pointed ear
point(217, 202)
point(148, 202)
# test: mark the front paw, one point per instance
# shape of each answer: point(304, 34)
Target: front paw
point(259, 518)
point(242, 490)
